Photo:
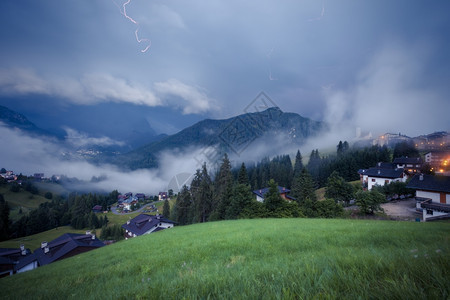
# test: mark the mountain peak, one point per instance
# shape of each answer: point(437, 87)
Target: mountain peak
point(233, 135)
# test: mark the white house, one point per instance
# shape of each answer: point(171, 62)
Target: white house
point(381, 174)
point(432, 195)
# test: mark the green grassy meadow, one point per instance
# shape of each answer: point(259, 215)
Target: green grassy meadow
point(34, 241)
point(256, 259)
point(23, 199)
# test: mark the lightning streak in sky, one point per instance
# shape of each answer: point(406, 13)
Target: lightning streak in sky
point(269, 55)
point(123, 11)
point(321, 14)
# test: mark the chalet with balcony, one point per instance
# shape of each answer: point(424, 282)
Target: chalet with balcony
point(432, 196)
point(412, 165)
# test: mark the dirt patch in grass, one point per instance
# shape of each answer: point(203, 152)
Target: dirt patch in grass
point(401, 209)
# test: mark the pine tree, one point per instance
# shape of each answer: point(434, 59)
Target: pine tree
point(304, 188)
point(339, 150)
point(272, 199)
point(223, 188)
point(243, 175)
point(241, 202)
point(4, 219)
point(201, 187)
point(298, 166)
point(166, 209)
point(183, 207)
point(314, 164)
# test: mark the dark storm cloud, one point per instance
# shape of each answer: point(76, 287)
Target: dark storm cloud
point(214, 57)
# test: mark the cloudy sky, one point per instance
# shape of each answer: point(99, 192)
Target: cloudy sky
point(380, 65)
point(101, 69)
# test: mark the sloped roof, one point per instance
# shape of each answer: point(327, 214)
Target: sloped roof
point(382, 173)
point(65, 244)
point(408, 160)
point(430, 183)
point(143, 223)
point(14, 254)
point(385, 165)
point(262, 192)
point(25, 261)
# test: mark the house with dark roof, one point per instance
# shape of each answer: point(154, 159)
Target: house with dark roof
point(432, 195)
point(163, 196)
point(65, 246)
point(97, 209)
point(410, 164)
point(146, 224)
point(140, 196)
point(10, 258)
point(281, 190)
point(383, 173)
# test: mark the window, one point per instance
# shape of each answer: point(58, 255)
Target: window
point(386, 182)
point(429, 212)
point(373, 179)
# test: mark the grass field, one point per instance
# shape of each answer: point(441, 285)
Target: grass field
point(22, 199)
point(256, 259)
point(34, 241)
point(55, 188)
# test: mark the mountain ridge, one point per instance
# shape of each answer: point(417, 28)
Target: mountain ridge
point(13, 119)
point(229, 135)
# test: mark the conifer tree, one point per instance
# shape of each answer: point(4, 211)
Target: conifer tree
point(272, 199)
point(223, 188)
point(304, 187)
point(243, 176)
point(183, 207)
point(241, 202)
point(4, 219)
point(298, 166)
point(202, 195)
point(166, 209)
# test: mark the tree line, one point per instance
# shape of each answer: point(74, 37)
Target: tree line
point(75, 211)
point(229, 195)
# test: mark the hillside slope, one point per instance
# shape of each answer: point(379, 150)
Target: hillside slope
point(13, 119)
point(230, 135)
point(256, 259)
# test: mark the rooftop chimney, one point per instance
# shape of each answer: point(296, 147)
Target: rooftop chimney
point(128, 222)
point(43, 244)
point(46, 250)
point(93, 237)
point(22, 250)
point(88, 232)
point(421, 177)
point(379, 172)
